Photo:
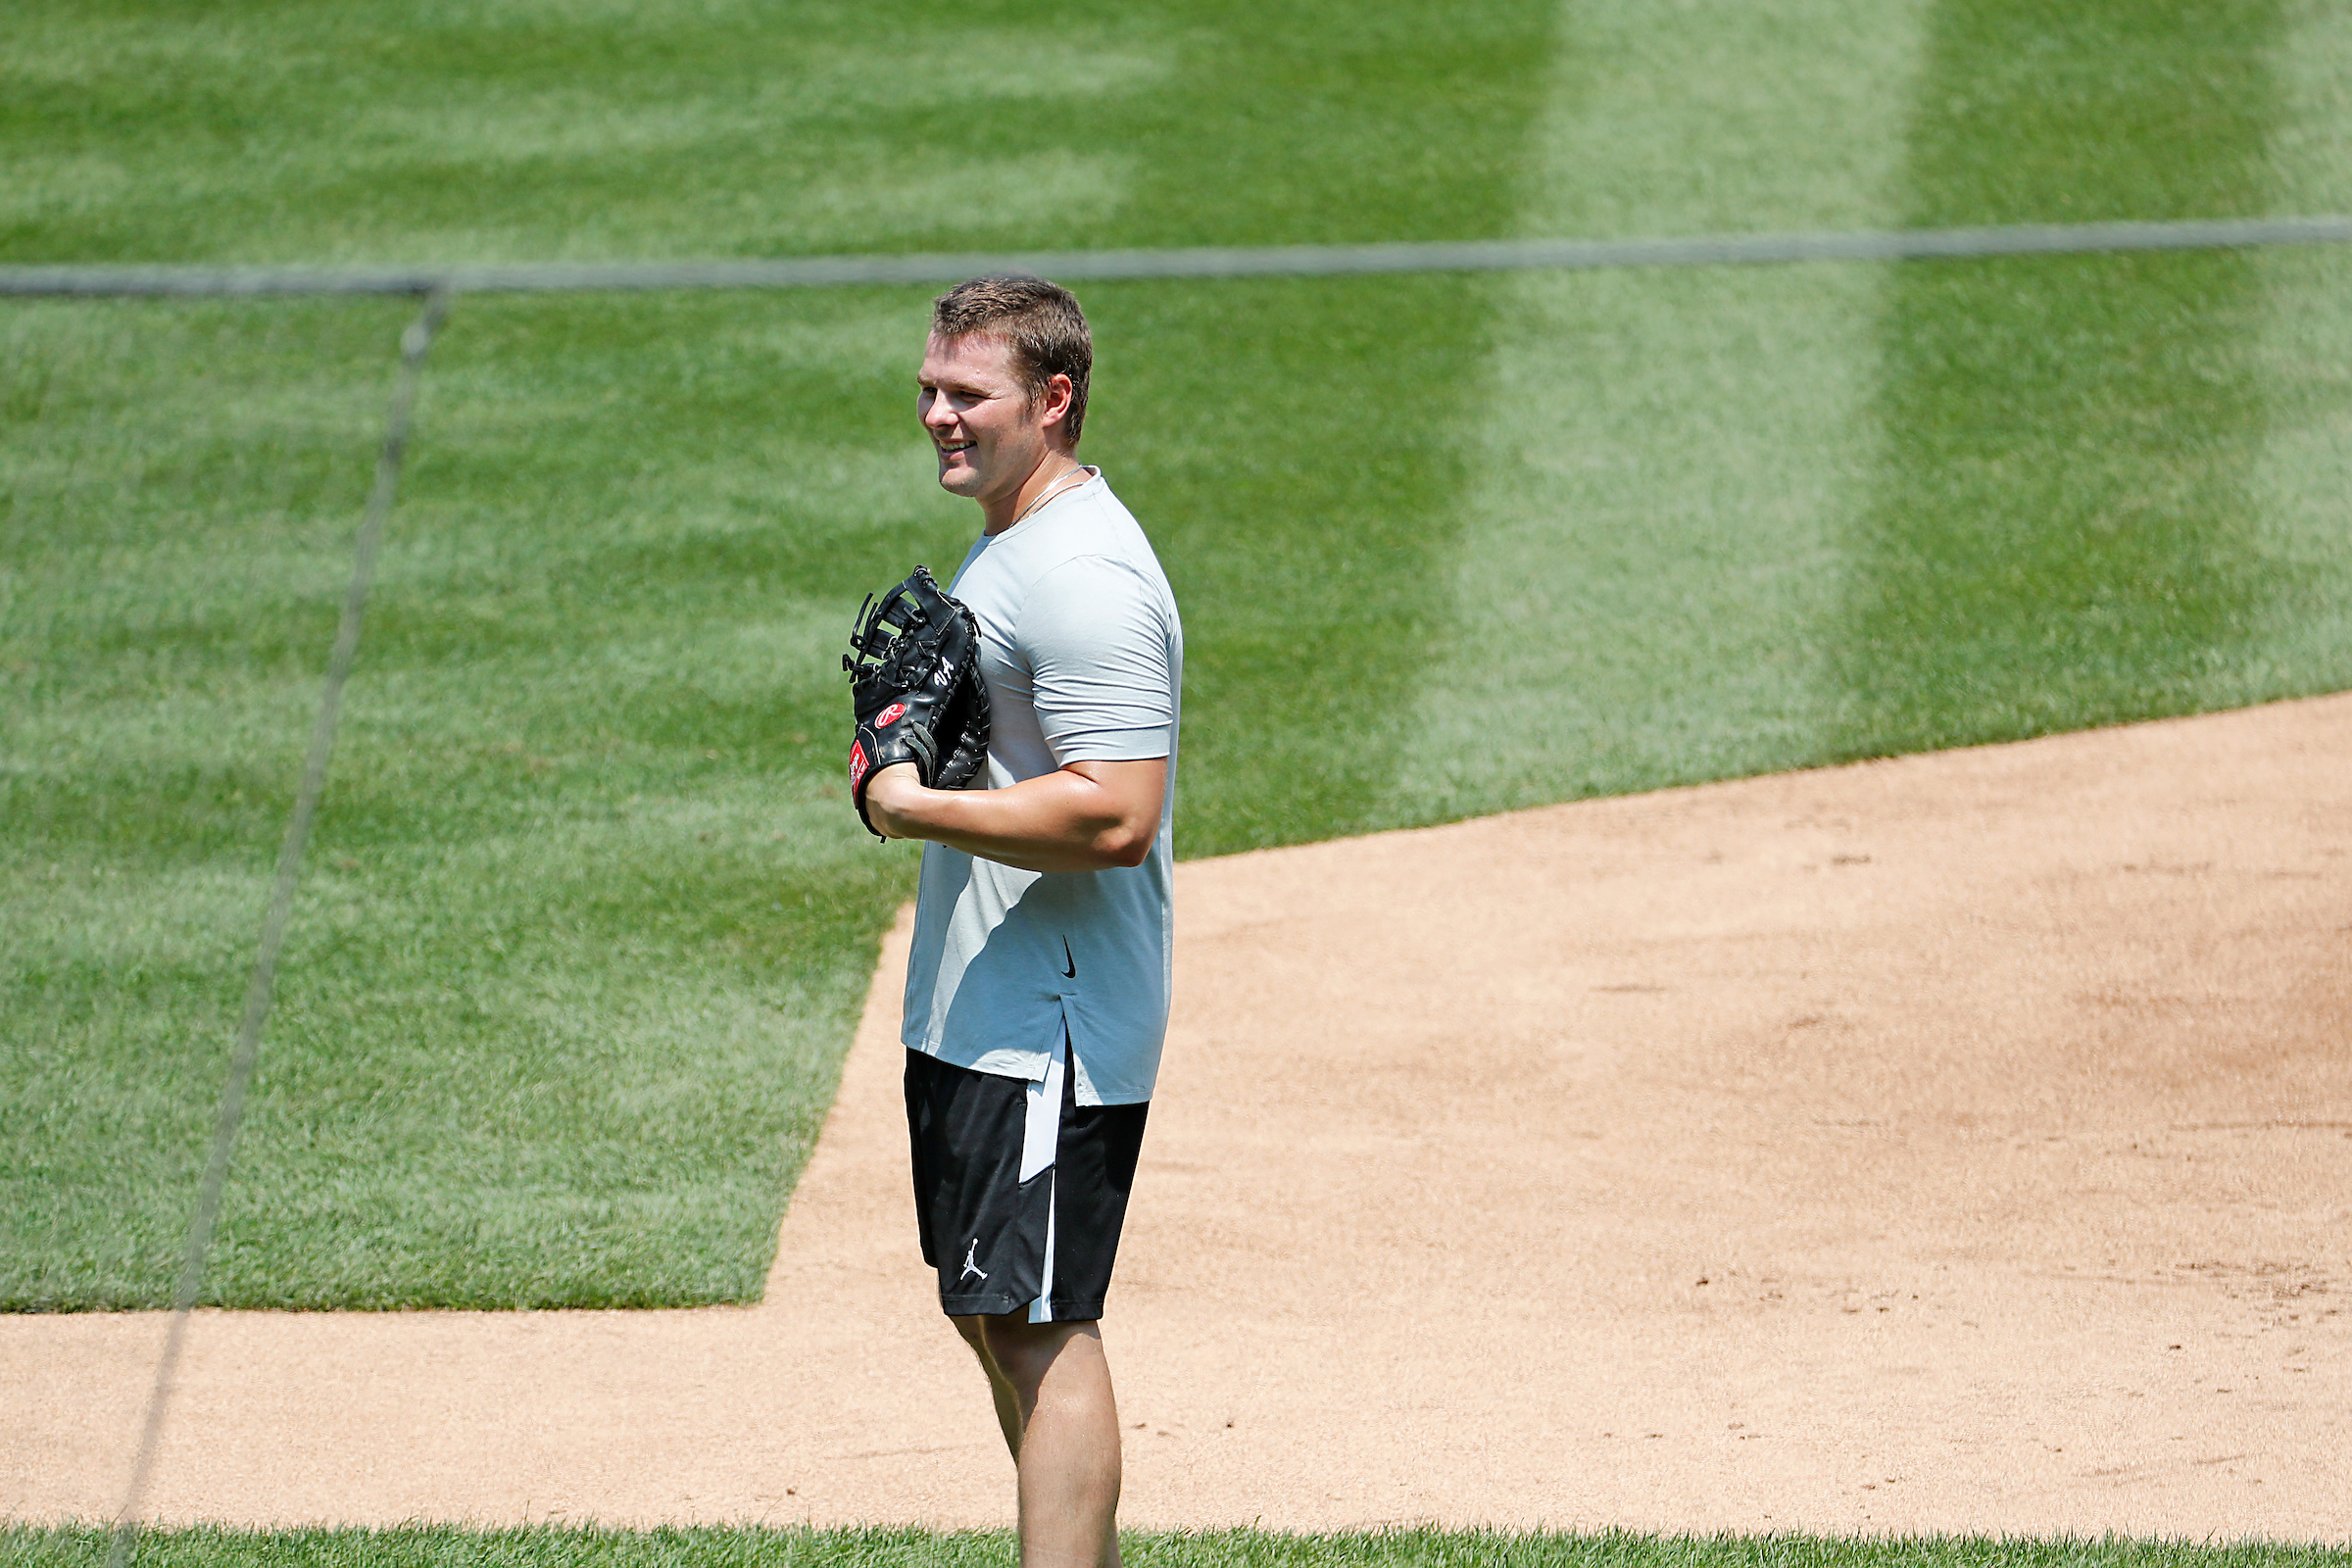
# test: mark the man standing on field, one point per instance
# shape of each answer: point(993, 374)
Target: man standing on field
point(1036, 991)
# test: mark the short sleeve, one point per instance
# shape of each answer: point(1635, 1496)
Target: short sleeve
point(1097, 637)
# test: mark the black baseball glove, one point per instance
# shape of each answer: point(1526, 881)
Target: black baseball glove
point(916, 688)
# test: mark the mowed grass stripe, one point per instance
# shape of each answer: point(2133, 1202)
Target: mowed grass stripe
point(2064, 532)
point(2305, 471)
point(579, 131)
point(1665, 463)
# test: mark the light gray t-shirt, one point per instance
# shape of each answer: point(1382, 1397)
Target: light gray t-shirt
point(1084, 658)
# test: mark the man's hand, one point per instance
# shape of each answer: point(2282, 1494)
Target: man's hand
point(886, 791)
point(1085, 816)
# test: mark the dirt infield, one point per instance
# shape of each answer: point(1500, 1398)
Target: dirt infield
point(1957, 1143)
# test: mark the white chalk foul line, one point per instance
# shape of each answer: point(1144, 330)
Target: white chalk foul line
point(1274, 260)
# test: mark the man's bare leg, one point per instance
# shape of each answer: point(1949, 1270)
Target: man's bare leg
point(1061, 1423)
point(1008, 1401)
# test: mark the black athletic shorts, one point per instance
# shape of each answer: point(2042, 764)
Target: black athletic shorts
point(1019, 1191)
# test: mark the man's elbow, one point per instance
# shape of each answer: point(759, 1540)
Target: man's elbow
point(1127, 845)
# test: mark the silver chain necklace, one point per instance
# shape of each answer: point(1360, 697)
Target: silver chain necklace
point(1050, 491)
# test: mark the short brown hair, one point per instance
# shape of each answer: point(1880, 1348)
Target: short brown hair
point(1040, 321)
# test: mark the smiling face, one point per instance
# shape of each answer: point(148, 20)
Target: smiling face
point(991, 436)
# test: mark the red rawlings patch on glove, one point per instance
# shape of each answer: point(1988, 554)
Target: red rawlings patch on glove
point(890, 716)
point(857, 766)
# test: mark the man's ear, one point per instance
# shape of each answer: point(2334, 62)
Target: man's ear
point(1056, 401)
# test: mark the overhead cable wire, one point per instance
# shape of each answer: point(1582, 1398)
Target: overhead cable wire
point(1187, 262)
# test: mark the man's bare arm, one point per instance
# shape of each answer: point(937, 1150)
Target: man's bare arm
point(1085, 816)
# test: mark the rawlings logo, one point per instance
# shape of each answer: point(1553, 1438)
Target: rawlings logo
point(857, 764)
point(890, 716)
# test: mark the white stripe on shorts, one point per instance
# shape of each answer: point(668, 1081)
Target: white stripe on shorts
point(1041, 1134)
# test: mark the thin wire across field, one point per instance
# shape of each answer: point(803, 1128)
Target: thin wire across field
point(260, 991)
point(1266, 261)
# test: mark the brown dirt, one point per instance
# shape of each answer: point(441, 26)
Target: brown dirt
point(1958, 1142)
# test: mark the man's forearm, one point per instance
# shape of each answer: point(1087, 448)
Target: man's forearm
point(1084, 817)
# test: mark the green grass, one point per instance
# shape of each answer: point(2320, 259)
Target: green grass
point(169, 129)
point(1740, 520)
point(584, 926)
point(587, 921)
point(2062, 532)
point(449, 1546)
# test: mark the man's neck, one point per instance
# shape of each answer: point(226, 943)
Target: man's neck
point(1051, 475)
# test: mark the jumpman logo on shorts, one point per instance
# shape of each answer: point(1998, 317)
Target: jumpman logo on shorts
point(970, 1267)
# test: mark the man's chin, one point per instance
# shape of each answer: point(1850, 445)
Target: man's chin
point(961, 481)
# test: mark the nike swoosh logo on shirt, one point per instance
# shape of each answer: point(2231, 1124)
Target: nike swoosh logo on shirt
point(1071, 973)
